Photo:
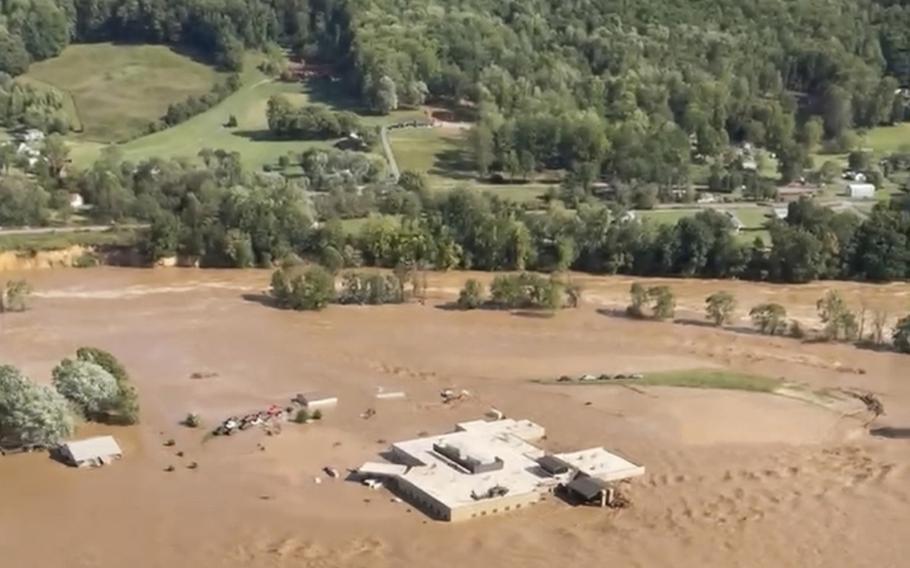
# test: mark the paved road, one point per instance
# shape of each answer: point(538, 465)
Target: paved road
point(58, 230)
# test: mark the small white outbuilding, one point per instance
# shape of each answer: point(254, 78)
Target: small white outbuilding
point(861, 190)
point(91, 452)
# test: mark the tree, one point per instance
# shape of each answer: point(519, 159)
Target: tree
point(386, 99)
point(313, 289)
point(837, 110)
point(639, 299)
point(126, 409)
point(664, 302)
point(880, 318)
point(31, 414)
point(719, 308)
point(14, 296)
point(471, 296)
point(482, 147)
point(57, 153)
point(901, 335)
point(812, 132)
point(87, 385)
point(840, 322)
point(770, 319)
point(14, 58)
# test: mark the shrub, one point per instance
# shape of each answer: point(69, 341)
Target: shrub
point(527, 291)
point(14, 296)
point(471, 296)
point(769, 318)
point(371, 289)
point(639, 298)
point(87, 385)
point(901, 335)
point(302, 416)
point(796, 330)
point(719, 308)
point(192, 420)
point(664, 302)
point(313, 289)
point(317, 414)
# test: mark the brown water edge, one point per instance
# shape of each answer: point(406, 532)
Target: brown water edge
point(735, 479)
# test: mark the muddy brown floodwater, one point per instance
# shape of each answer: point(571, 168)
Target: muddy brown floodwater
point(734, 478)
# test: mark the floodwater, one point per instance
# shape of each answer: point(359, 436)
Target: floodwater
point(734, 478)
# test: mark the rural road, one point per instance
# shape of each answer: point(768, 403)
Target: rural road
point(389, 156)
point(57, 230)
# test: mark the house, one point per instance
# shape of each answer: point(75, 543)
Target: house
point(76, 201)
point(861, 190)
point(781, 211)
point(91, 452)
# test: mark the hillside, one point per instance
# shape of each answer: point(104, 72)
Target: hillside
point(117, 90)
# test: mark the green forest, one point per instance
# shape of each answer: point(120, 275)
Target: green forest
point(637, 94)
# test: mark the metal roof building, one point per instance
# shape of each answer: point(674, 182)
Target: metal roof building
point(91, 452)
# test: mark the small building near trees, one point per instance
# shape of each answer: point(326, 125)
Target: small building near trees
point(91, 452)
point(861, 191)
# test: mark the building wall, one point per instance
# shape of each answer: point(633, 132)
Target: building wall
point(483, 508)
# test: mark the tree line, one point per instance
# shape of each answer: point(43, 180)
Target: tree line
point(23, 105)
point(219, 30)
point(839, 322)
point(636, 91)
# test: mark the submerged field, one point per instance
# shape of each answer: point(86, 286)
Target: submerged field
point(115, 91)
point(734, 478)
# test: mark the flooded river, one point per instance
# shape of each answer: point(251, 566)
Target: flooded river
point(734, 478)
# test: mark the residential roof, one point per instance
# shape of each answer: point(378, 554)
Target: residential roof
point(92, 448)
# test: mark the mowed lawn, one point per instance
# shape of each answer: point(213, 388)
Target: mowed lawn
point(250, 138)
point(117, 90)
point(886, 139)
point(442, 155)
point(754, 219)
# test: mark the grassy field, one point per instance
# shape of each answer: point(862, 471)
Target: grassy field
point(57, 241)
point(885, 139)
point(754, 219)
point(441, 154)
point(116, 90)
point(711, 379)
point(251, 136)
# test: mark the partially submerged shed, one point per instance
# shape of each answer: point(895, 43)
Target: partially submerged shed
point(314, 400)
point(91, 452)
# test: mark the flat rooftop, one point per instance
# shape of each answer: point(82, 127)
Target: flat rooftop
point(508, 440)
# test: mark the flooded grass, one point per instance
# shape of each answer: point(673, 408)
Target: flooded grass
point(711, 379)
